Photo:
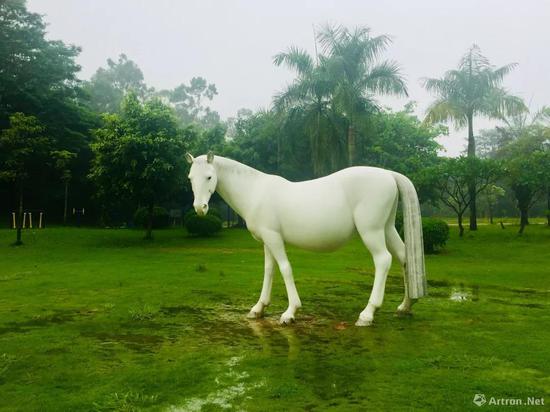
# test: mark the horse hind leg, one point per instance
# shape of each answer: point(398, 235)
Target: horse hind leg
point(374, 240)
point(397, 249)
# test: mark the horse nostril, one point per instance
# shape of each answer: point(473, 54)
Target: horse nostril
point(204, 206)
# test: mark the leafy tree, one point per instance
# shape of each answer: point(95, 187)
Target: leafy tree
point(473, 89)
point(139, 155)
point(400, 141)
point(354, 67)
point(33, 70)
point(38, 78)
point(255, 140)
point(189, 102)
point(492, 194)
point(454, 176)
point(490, 142)
point(109, 85)
point(527, 165)
point(209, 139)
point(23, 146)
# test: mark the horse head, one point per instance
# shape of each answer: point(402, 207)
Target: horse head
point(203, 179)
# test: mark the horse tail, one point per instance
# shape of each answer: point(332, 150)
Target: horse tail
point(414, 244)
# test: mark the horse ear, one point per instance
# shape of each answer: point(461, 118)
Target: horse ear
point(189, 157)
point(210, 156)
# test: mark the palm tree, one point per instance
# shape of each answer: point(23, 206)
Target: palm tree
point(473, 89)
point(307, 100)
point(353, 64)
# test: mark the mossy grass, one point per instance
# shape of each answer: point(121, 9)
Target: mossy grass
point(96, 319)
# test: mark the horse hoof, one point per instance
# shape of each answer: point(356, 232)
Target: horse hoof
point(254, 315)
point(363, 322)
point(286, 320)
point(403, 313)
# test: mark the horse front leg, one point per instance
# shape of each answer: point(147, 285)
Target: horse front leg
point(257, 310)
point(276, 246)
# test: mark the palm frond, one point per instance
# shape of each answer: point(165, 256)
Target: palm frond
point(542, 115)
point(292, 95)
point(439, 87)
point(330, 36)
point(442, 111)
point(386, 78)
point(374, 46)
point(499, 74)
point(499, 104)
point(296, 59)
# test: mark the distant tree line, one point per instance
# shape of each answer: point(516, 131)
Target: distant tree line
point(113, 144)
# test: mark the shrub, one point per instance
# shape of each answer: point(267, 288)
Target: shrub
point(436, 234)
point(211, 212)
point(161, 218)
point(435, 231)
point(203, 225)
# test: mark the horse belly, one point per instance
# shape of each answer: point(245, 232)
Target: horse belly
point(317, 224)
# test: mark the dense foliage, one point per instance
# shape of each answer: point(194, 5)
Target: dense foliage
point(436, 234)
point(138, 155)
point(161, 218)
point(113, 143)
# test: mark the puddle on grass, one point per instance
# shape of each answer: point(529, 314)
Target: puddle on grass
point(458, 295)
point(232, 385)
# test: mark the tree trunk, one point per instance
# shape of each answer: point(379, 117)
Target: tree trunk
point(66, 202)
point(149, 233)
point(524, 218)
point(472, 184)
point(351, 144)
point(20, 219)
point(315, 142)
point(460, 227)
point(490, 210)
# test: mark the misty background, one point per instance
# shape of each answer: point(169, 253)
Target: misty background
point(232, 44)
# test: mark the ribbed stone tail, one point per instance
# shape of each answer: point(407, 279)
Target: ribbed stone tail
point(414, 243)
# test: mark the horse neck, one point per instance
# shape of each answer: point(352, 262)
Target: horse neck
point(235, 184)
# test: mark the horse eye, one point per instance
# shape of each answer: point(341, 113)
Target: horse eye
point(209, 177)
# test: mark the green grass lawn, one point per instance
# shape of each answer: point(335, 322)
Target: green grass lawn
point(95, 319)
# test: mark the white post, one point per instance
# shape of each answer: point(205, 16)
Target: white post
point(24, 220)
point(30, 220)
point(13, 218)
point(40, 221)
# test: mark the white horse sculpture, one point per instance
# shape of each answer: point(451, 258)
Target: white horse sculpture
point(321, 215)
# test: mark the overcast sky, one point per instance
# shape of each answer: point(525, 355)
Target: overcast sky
point(231, 43)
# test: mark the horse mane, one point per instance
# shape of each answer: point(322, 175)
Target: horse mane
point(227, 165)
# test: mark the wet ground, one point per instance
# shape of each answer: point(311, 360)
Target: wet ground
point(181, 341)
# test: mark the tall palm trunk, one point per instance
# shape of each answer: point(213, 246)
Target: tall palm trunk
point(315, 147)
point(472, 184)
point(351, 144)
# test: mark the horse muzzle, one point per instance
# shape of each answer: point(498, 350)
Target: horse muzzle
point(201, 210)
